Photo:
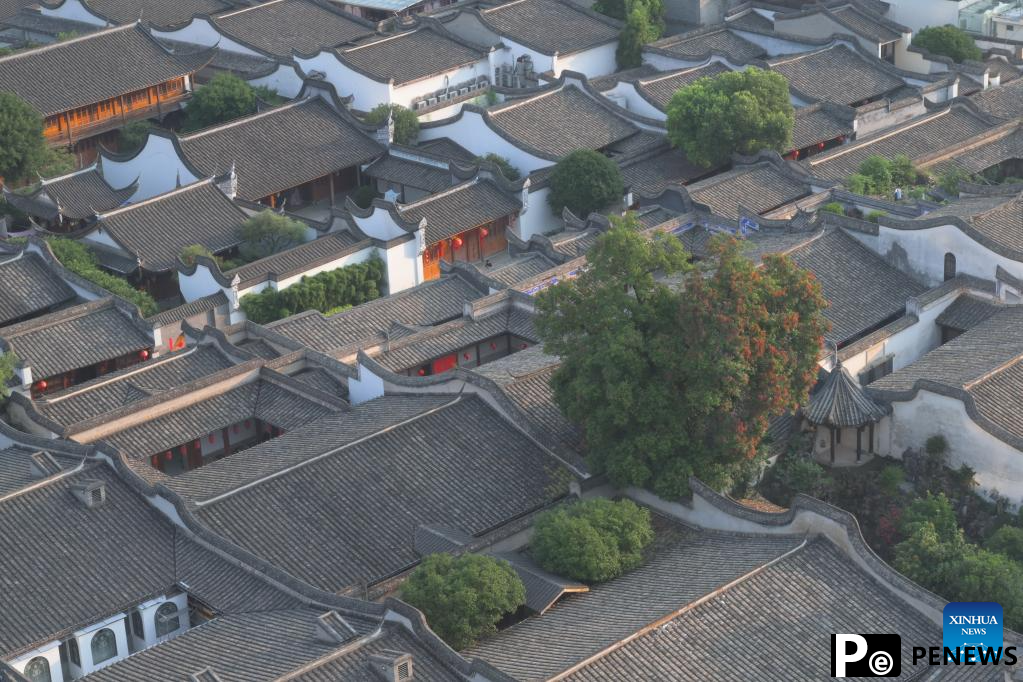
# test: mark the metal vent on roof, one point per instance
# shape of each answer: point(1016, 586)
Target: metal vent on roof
point(42, 465)
point(392, 666)
point(331, 628)
point(204, 675)
point(92, 492)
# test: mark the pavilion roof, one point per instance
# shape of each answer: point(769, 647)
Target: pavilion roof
point(838, 400)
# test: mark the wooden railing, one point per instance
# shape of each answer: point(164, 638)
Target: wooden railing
point(66, 128)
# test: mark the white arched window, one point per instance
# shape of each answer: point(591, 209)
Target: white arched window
point(167, 619)
point(104, 646)
point(38, 670)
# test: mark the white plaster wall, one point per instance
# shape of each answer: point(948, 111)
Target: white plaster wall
point(626, 96)
point(73, 10)
point(367, 92)
point(466, 26)
point(101, 236)
point(200, 283)
point(285, 80)
point(50, 651)
point(202, 32)
point(818, 25)
point(999, 466)
point(513, 50)
point(366, 386)
point(404, 266)
point(157, 167)
point(407, 93)
point(775, 45)
point(596, 61)
point(538, 219)
point(379, 225)
point(350, 259)
point(472, 132)
point(916, 14)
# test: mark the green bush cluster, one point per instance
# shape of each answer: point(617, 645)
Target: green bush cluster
point(326, 291)
point(879, 176)
point(77, 258)
point(594, 540)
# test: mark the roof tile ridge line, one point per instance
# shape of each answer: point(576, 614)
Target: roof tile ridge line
point(381, 40)
point(153, 199)
point(296, 387)
point(57, 317)
point(236, 12)
point(674, 73)
point(515, 103)
point(926, 118)
point(796, 56)
point(984, 137)
point(330, 453)
point(663, 620)
point(328, 658)
point(990, 374)
point(42, 483)
point(80, 171)
point(62, 43)
point(246, 119)
point(158, 362)
point(440, 195)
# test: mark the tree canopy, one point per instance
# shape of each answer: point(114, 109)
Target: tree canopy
point(584, 181)
point(509, 171)
point(463, 597)
point(269, 232)
point(593, 540)
point(224, 98)
point(736, 112)
point(878, 175)
point(644, 23)
point(406, 122)
point(657, 405)
point(23, 149)
point(950, 41)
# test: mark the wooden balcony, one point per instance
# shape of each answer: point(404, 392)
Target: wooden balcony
point(70, 127)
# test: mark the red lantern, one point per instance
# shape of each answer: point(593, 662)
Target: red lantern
point(144, 354)
point(457, 243)
point(167, 455)
point(493, 345)
point(170, 344)
point(421, 372)
point(42, 385)
point(820, 145)
point(465, 355)
point(212, 438)
point(484, 232)
point(181, 342)
point(155, 461)
point(195, 444)
point(524, 346)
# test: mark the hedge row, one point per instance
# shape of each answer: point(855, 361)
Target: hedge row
point(80, 260)
point(326, 292)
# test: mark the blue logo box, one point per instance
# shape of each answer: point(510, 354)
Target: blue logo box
point(977, 624)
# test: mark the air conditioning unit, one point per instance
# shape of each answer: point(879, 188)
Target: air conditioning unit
point(444, 97)
point(430, 102)
point(421, 104)
point(463, 91)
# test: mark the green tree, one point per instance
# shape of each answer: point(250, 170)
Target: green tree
point(406, 123)
point(949, 41)
point(224, 98)
point(364, 195)
point(77, 258)
point(8, 363)
point(132, 136)
point(657, 406)
point(878, 171)
point(933, 510)
point(584, 181)
point(509, 171)
point(269, 232)
point(736, 112)
point(793, 475)
point(638, 30)
point(22, 146)
point(904, 173)
point(193, 251)
point(833, 207)
point(1007, 540)
point(950, 179)
point(592, 541)
point(463, 597)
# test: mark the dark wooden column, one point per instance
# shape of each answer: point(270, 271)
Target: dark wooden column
point(859, 447)
point(870, 446)
point(831, 429)
point(330, 179)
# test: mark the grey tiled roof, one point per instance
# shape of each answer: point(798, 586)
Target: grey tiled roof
point(685, 565)
point(966, 312)
point(28, 287)
point(551, 26)
point(447, 148)
point(804, 597)
point(409, 173)
point(700, 43)
point(460, 208)
point(320, 379)
point(979, 153)
point(74, 338)
point(416, 349)
point(340, 519)
point(295, 260)
point(998, 219)
point(838, 400)
point(75, 196)
point(558, 122)
point(280, 148)
point(92, 68)
point(862, 290)
point(836, 74)
point(66, 581)
point(155, 12)
point(517, 269)
point(914, 138)
point(865, 23)
point(815, 124)
point(427, 304)
point(16, 464)
point(301, 444)
point(158, 229)
point(543, 589)
point(661, 88)
point(759, 187)
point(186, 310)
point(652, 174)
point(286, 26)
point(261, 399)
point(410, 56)
point(112, 391)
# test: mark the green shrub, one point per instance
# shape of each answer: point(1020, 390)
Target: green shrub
point(225, 98)
point(858, 184)
point(878, 171)
point(936, 446)
point(507, 170)
point(890, 478)
point(77, 258)
point(950, 41)
point(326, 291)
point(363, 196)
point(833, 207)
point(193, 251)
point(267, 233)
point(793, 475)
point(875, 216)
point(584, 181)
point(406, 122)
point(1007, 540)
point(592, 541)
point(464, 597)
